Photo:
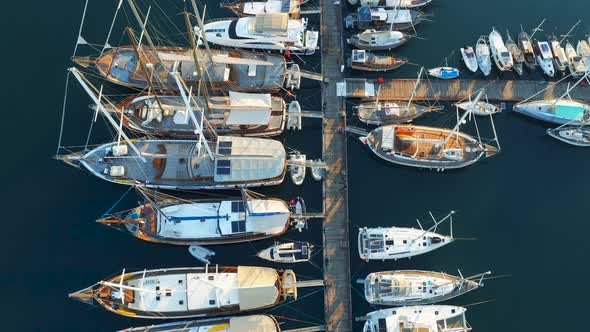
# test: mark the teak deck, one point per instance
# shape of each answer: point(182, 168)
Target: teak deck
point(458, 89)
point(337, 279)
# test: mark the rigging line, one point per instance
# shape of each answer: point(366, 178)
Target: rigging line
point(63, 113)
point(111, 28)
point(364, 298)
point(117, 203)
point(314, 320)
point(300, 298)
point(81, 26)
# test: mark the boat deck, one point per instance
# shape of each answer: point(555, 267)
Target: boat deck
point(337, 293)
point(458, 89)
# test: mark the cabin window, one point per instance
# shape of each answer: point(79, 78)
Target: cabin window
point(215, 30)
point(237, 207)
point(238, 226)
point(225, 147)
point(211, 278)
point(180, 302)
point(389, 242)
point(180, 282)
point(168, 293)
point(211, 302)
point(158, 298)
point(223, 167)
point(157, 288)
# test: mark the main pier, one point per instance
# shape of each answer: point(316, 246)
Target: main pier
point(457, 89)
point(337, 296)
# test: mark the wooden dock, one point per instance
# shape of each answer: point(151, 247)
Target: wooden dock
point(453, 90)
point(337, 296)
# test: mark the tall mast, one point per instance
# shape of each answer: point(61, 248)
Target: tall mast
point(201, 28)
point(191, 37)
point(570, 31)
point(538, 28)
point(457, 126)
point(141, 24)
point(415, 87)
point(101, 107)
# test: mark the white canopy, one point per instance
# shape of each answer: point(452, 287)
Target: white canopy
point(257, 287)
point(259, 323)
point(251, 100)
point(249, 108)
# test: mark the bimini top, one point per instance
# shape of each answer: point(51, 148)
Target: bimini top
point(271, 23)
point(257, 287)
point(244, 160)
point(249, 109)
point(259, 323)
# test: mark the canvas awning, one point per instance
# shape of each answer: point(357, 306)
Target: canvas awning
point(259, 323)
point(250, 100)
point(249, 108)
point(257, 287)
point(272, 22)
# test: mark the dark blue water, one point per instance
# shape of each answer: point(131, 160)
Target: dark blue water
point(526, 206)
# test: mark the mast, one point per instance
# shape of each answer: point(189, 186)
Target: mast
point(456, 128)
point(570, 31)
point(415, 87)
point(201, 28)
point(106, 44)
point(436, 223)
point(191, 37)
point(538, 28)
point(101, 107)
point(141, 24)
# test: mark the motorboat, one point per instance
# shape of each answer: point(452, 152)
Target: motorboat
point(444, 72)
point(369, 61)
point(432, 318)
point(517, 55)
point(583, 49)
point(389, 112)
point(413, 287)
point(285, 253)
point(500, 53)
point(482, 53)
point(163, 218)
point(238, 113)
point(264, 31)
point(478, 106)
point(573, 135)
point(469, 58)
point(381, 18)
point(250, 8)
point(191, 291)
point(526, 46)
point(412, 4)
point(559, 111)
point(386, 243)
point(544, 58)
point(576, 64)
point(297, 167)
point(374, 40)
point(560, 59)
point(265, 323)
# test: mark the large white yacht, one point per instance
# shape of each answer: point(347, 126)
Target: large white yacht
point(264, 31)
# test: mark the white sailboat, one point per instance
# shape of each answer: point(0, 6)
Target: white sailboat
point(261, 323)
point(479, 107)
point(372, 39)
point(384, 243)
point(265, 31)
point(482, 52)
point(286, 253)
point(500, 53)
point(559, 111)
point(432, 318)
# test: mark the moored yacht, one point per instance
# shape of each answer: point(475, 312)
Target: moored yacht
point(163, 218)
point(573, 135)
point(381, 18)
point(251, 8)
point(368, 61)
point(576, 63)
point(559, 111)
point(469, 58)
point(395, 3)
point(482, 53)
point(583, 49)
point(372, 39)
point(383, 243)
point(263, 323)
point(413, 287)
point(525, 44)
point(560, 60)
point(544, 58)
point(517, 55)
point(389, 112)
point(500, 53)
point(432, 318)
point(287, 253)
point(265, 31)
point(191, 292)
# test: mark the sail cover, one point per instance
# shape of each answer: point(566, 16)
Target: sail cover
point(570, 112)
point(259, 323)
point(257, 287)
point(249, 108)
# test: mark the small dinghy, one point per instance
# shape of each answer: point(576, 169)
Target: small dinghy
point(544, 58)
point(201, 253)
point(368, 61)
point(526, 46)
point(431, 318)
point(469, 58)
point(372, 39)
point(482, 53)
point(576, 64)
point(383, 243)
point(479, 107)
point(294, 120)
point(297, 168)
point(389, 112)
point(287, 253)
point(578, 136)
point(517, 55)
point(412, 287)
point(317, 172)
point(444, 73)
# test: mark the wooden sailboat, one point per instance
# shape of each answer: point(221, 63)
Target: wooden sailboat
point(368, 61)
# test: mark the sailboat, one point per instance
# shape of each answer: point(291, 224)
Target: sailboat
point(573, 135)
point(388, 112)
point(413, 4)
point(413, 287)
point(239, 113)
point(163, 218)
point(244, 8)
point(469, 58)
point(427, 147)
point(443, 318)
point(576, 64)
point(479, 107)
point(517, 55)
point(500, 53)
point(369, 61)
point(264, 31)
point(291, 252)
point(225, 162)
point(191, 291)
point(525, 44)
point(265, 323)
point(384, 243)
point(444, 73)
point(374, 40)
point(482, 53)
point(560, 60)
point(382, 18)
point(544, 58)
point(559, 111)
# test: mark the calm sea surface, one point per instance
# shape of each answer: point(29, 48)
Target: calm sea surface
point(527, 207)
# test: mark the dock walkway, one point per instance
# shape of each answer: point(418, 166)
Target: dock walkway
point(337, 296)
point(453, 90)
